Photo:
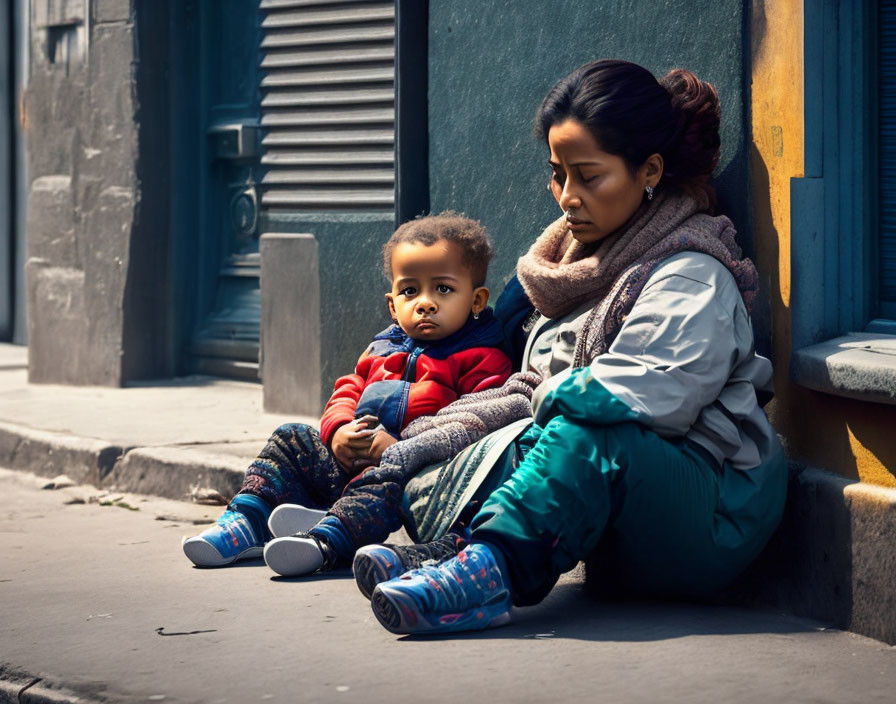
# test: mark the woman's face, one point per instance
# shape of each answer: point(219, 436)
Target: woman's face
point(594, 187)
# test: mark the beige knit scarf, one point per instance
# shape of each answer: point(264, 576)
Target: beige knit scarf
point(560, 274)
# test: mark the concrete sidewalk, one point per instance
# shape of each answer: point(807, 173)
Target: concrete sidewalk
point(168, 438)
point(99, 604)
point(833, 557)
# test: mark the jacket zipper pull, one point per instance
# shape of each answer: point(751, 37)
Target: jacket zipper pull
point(412, 364)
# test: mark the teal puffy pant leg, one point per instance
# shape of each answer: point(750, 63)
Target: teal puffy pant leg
point(666, 519)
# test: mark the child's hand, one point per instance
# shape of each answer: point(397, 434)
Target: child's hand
point(378, 446)
point(351, 443)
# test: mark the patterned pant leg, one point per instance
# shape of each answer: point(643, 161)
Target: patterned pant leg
point(295, 467)
point(371, 506)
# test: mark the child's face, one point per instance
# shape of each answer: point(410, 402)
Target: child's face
point(432, 291)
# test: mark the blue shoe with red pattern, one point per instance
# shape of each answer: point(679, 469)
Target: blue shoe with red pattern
point(465, 593)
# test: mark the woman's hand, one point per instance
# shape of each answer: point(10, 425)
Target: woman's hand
point(351, 443)
point(378, 446)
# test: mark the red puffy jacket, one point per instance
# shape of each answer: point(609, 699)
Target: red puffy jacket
point(398, 380)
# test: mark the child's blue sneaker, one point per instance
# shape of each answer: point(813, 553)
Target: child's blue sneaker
point(229, 540)
point(289, 519)
point(466, 593)
point(298, 555)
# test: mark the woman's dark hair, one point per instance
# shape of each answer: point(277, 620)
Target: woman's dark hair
point(469, 235)
point(632, 115)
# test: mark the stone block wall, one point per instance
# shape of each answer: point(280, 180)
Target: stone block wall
point(82, 139)
point(85, 194)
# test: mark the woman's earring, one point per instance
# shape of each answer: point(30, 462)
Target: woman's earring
point(649, 190)
point(475, 315)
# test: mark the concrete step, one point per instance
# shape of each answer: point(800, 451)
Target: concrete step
point(171, 438)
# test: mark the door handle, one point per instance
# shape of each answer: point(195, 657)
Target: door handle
point(236, 141)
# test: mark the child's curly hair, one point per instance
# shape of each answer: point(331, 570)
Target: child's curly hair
point(469, 234)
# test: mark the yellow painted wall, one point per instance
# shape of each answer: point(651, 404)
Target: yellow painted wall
point(853, 438)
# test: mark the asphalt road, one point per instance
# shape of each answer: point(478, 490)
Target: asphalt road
point(97, 599)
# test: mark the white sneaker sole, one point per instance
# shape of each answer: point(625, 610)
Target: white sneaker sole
point(203, 554)
point(293, 557)
point(289, 519)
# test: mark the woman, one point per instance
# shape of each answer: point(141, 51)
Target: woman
point(649, 448)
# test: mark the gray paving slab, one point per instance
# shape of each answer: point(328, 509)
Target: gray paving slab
point(13, 356)
point(162, 437)
point(183, 411)
point(98, 601)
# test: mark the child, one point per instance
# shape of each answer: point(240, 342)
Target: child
point(442, 344)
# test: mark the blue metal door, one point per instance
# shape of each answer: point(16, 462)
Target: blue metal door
point(297, 102)
point(12, 179)
point(225, 341)
point(6, 174)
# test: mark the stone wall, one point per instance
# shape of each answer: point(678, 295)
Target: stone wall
point(491, 64)
point(84, 199)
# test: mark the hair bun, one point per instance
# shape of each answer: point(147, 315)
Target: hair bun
point(695, 144)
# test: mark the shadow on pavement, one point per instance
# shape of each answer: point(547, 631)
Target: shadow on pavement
point(570, 613)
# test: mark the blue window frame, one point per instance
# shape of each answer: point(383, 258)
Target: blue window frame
point(843, 299)
point(886, 130)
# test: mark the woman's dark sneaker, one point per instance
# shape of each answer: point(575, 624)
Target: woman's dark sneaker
point(380, 563)
point(465, 593)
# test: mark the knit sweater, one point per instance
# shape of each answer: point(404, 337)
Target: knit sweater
point(436, 438)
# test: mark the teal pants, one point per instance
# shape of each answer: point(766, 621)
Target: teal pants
point(660, 516)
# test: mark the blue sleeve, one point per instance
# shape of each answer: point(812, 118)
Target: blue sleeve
point(512, 309)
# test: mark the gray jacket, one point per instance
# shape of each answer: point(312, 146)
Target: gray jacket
point(683, 364)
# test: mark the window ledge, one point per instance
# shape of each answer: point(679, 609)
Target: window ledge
point(857, 365)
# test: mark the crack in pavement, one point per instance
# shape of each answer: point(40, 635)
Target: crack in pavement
point(27, 686)
point(161, 631)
